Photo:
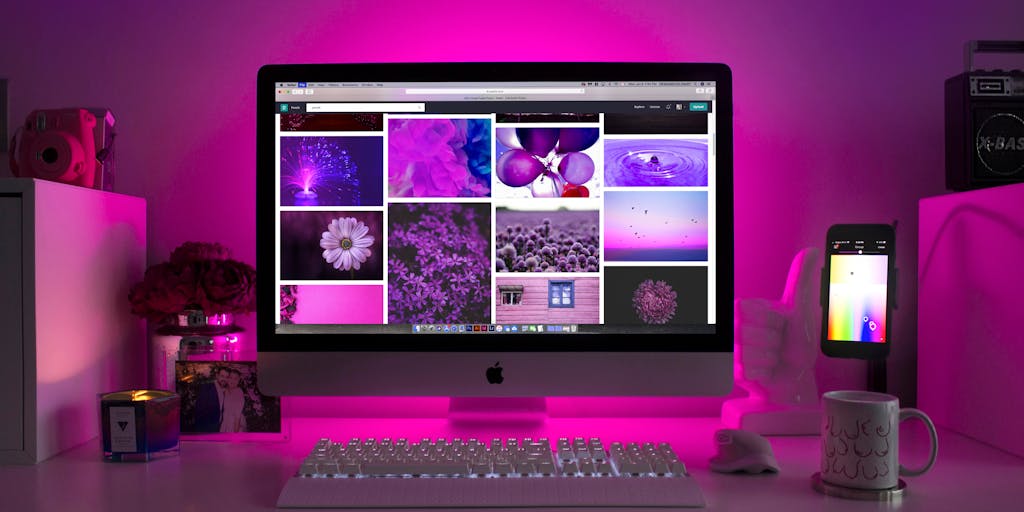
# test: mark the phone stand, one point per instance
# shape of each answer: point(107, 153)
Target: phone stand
point(777, 344)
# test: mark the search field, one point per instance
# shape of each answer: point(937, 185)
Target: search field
point(365, 107)
point(498, 90)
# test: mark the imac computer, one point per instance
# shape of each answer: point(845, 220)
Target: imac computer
point(495, 229)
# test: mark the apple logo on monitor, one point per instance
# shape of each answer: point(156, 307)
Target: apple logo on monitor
point(494, 374)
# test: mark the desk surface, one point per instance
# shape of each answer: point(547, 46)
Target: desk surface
point(235, 475)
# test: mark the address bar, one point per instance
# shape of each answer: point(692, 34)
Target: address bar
point(365, 107)
point(498, 90)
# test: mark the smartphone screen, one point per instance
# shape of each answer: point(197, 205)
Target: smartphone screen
point(858, 290)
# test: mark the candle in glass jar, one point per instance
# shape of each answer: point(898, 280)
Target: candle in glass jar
point(140, 425)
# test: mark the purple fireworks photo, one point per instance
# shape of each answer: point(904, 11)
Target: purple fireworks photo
point(547, 241)
point(438, 269)
point(655, 163)
point(439, 157)
point(332, 171)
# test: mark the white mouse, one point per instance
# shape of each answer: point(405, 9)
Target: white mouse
point(740, 450)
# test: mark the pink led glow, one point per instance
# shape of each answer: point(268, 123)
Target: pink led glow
point(557, 407)
point(305, 179)
point(801, 163)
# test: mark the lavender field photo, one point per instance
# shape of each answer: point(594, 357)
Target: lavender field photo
point(438, 263)
point(560, 240)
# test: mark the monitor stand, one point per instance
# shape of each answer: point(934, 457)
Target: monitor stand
point(530, 411)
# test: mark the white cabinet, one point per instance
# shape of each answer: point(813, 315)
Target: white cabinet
point(970, 347)
point(68, 256)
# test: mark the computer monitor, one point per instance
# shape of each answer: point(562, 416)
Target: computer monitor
point(495, 229)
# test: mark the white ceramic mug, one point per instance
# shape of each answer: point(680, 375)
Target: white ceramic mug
point(860, 439)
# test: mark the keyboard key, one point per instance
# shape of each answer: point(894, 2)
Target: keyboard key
point(503, 468)
point(421, 469)
point(635, 468)
point(546, 468)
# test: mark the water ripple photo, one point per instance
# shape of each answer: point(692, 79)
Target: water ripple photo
point(655, 163)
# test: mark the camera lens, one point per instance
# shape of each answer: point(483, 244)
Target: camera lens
point(49, 155)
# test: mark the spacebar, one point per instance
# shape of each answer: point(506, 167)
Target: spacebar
point(302, 492)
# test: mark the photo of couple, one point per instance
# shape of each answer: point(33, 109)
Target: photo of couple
point(221, 396)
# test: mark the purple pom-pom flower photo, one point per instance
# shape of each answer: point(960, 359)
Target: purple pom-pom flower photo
point(654, 302)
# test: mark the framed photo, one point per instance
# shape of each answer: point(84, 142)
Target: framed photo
point(221, 397)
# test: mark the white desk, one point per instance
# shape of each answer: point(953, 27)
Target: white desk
point(227, 476)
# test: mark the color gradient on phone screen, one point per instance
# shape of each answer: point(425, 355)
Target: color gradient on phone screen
point(857, 297)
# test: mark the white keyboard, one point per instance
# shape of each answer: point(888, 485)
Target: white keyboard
point(510, 473)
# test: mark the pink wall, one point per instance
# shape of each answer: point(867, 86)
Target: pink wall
point(838, 104)
point(534, 306)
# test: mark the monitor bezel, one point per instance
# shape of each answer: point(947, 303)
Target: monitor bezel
point(268, 340)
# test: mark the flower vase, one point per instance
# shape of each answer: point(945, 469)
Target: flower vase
point(189, 336)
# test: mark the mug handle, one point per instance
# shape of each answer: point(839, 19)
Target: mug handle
point(917, 413)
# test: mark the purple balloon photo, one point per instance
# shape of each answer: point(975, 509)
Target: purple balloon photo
point(576, 139)
point(576, 168)
point(517, 168)
point(548, 162)
point(549, 184)
point(507, 136)
point(539, 141)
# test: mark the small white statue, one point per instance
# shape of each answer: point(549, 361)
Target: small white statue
point(777, 344)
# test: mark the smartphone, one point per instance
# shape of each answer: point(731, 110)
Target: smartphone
point(858, 290)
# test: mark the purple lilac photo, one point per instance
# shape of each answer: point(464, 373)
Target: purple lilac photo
point(547, 241)
point(655, 163)
point(439, 157)
point(438, 270)
point(332, 246)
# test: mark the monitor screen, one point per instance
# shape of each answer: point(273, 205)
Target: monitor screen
point(495, 229)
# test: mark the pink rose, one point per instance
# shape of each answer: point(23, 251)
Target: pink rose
point(229, 287)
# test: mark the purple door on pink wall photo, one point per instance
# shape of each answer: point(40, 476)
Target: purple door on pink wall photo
point(547, 299)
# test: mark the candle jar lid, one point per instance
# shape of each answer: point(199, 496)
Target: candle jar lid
point(137, 395)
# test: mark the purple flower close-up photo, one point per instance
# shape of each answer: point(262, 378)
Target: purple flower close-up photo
point(332, 245)
point(656, 295)
point(438, 263)
point(654, 302)
point(346, 243)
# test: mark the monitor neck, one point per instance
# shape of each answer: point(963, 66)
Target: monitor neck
point(463, 411)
